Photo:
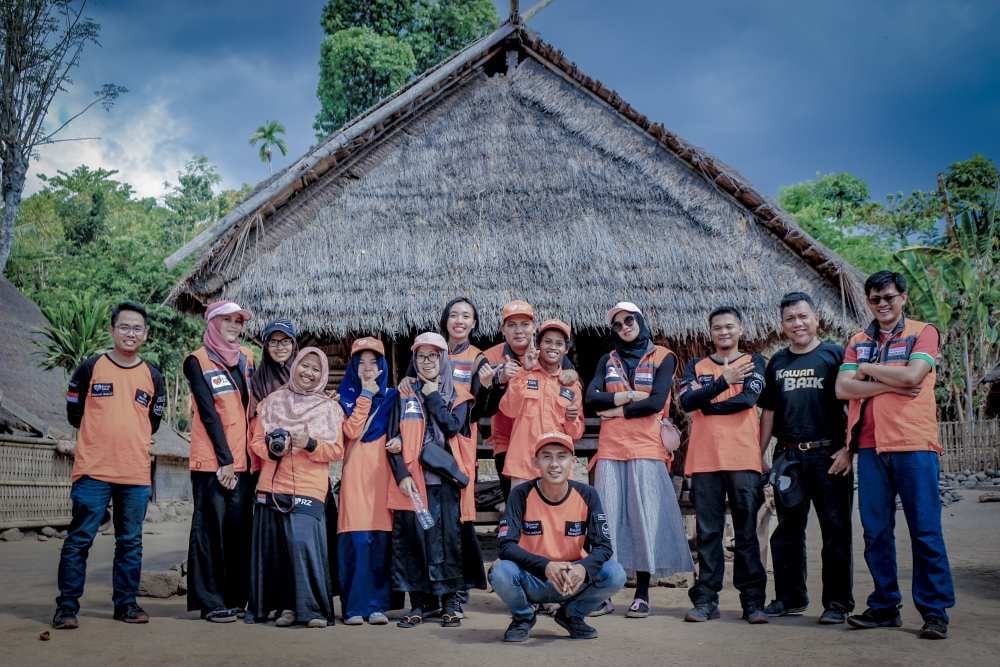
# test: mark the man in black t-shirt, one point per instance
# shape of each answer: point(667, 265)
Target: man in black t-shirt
point(801, 410)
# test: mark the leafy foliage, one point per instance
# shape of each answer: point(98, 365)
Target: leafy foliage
point(77, 329)
point(267, 135)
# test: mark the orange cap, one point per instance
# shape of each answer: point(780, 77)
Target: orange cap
point(368, 343)
point(518, 307)
point(554, 438)
point(558, 325)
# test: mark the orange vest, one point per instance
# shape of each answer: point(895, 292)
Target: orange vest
point(624, 439)
point(722, 442)
point(411, 431)
point(115, 436)
point(300, 474)
point(229, 405)
point(366, 476)
point(557, 532)
point(463, 367)
point(537, 403)
point(902, 424)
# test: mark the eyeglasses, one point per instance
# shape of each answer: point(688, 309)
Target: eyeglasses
point(434, 357)
point(124, 330)
point(627, 321)
point(284, 342)
point(888, 298)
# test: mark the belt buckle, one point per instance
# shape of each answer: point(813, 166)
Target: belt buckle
point(804, 446)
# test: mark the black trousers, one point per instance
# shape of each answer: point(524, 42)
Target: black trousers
point(744, 491)
point(498, 461)
point(833, 498)
point(219, 549)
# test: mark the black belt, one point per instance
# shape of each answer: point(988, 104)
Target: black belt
point(807, 446)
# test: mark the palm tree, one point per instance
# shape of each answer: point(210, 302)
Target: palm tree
point(267, 135)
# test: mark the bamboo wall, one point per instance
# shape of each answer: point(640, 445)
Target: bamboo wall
point(971, 446)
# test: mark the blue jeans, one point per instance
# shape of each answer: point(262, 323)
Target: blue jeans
point(519, 589)
point(90, 500)
point(914, 477)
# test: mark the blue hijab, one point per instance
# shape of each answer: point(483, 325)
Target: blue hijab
point(350, 389)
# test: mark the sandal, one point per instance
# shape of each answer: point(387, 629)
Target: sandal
point(451, 616)
point(411, 620)
point(638, 609)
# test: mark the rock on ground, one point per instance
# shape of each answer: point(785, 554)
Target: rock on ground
point(989, 497)
point(159, 584)
point(12, 535)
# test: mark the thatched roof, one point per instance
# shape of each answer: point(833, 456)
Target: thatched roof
point(500, 181)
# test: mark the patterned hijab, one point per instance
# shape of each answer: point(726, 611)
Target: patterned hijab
point(294, 407)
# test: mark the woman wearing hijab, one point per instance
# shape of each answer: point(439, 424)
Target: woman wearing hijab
point(630, 391)
point(219, 374)
point(365, 526)
point(278, 341)
point(431, 557)
point(297, 435)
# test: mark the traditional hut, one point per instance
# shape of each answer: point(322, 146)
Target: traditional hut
point(507, 172)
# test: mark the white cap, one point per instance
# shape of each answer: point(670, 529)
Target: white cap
point(226, 308)
point(620, 307)
point(432, 339)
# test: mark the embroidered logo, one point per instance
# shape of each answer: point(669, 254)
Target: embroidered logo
point(412, 409)
point(897, 351)
point(462, 371)
point(219, 382)
point(531, 528)
point(575, 528)
point(864, 352)
point(533, 383)
point(567, 393)
point(142, 398)
point(612, 372)
point(102, 389)
point(306, 502)
point(503, 529)
point(603, 520)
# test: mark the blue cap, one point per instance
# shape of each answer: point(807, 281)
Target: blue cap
point(284, 326)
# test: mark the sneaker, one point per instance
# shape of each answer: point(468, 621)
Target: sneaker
point(607, 607)
point(638, 609)
point(220, 615)
point(377, 618)
point(518, 629)
point(354, 620)
point(832, 617)
point(286, 619)
point(934, 628)
point(131, 613)
point(876, 618)
point(701, 613)
point(778, 608)
point(65, 619)
point(576, 628)
point(755, 616)
point(317, 623)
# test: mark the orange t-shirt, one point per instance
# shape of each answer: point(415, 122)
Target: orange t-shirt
point(364, 482)
point(300, 474)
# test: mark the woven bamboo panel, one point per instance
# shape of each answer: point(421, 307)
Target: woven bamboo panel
point(34, 485)
point(973, 445)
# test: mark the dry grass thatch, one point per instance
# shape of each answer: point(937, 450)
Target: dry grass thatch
point(543, 185)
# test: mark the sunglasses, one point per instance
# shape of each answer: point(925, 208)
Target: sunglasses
point(888, 298)
point(627, 321)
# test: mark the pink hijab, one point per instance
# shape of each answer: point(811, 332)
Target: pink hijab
point(294, 408)
point(213, 340)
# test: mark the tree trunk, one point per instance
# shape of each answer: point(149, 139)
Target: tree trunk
point(15, 170)
point(967, 371)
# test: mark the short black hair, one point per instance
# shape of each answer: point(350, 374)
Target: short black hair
point(538, 338)
point(447, 311)
point(793, 298)
point(127, 305)
point(882, 279)
point(725, 310)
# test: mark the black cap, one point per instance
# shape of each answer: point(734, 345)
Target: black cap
point(284, 326)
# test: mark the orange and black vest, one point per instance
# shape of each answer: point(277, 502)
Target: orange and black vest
point(624, 439)
point(229, 405)
point(500, 424)
point(411, 432)
point(902, 424)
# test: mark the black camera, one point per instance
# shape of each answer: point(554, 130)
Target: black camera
point(278, 441)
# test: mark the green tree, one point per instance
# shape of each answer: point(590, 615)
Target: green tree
point(77, 328)
point(374, 46)
point(267, 136)
point(192, 198)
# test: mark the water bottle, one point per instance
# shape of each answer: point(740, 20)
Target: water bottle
point(424, 517)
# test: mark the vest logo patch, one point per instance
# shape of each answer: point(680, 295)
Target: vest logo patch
point(898, 351)
point(412, 409)
point(503, 529)
point(261, 498)
point(603, 520)
point(533, 383)
point(575, 528)
point(864, 352)
point(567, 393)
point(142, 398)
point(705, 380)
point(219, 382)
point(612, 373)
point(462, 371)
point(531, 528)
point(644, 377)
point(102, 389)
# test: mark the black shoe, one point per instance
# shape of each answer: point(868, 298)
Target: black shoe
point(934, 628)
point(576, 628)
point(518, 630)
point(131, 613)
point(65, 619)
point(755, 616)
point(871, 618)
point(778, 608)
point(832, 617)
point(701, 613)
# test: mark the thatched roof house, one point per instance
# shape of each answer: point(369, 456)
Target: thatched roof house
point(506, 172)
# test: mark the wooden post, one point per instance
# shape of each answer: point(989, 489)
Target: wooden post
point(514, 14)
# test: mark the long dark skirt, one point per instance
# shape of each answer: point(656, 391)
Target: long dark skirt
point(219, 547)
point(365, 584)
point(439, 561)
point(289, 563)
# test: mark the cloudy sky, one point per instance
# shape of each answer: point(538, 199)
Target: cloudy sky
point(892, 91)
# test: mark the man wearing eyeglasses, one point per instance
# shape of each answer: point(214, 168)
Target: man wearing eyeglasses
point(888, 378)
point(116, 400)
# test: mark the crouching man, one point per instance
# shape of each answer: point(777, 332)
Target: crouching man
point(554, 546)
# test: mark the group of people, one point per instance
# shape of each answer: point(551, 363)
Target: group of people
point(272, 538)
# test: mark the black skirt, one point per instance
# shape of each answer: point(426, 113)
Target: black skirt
point(442, 560)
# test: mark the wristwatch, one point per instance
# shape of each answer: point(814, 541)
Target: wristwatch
point(631, 395)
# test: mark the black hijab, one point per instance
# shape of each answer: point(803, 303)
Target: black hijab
point(271, 375)
point(632, 353)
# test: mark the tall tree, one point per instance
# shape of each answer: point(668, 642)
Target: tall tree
point(267, 135)
point(43, 41)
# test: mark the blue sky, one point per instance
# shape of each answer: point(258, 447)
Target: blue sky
point(890, 90)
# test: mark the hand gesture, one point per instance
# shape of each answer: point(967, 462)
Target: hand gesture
point(554, 574)
point(429, 387)
point(226, 477)
point(736, 373)
point(405, 386)
point(568, 377)
point(572, 412)
point(509, 369)
point(332, 393)
point(486, 375)
point(369, 380)
point(842, 460)
point(394, 446)
point(531, 357)
point(299, 439)
point(574, 578)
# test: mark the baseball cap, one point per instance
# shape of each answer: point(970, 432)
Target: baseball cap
point(622, 306)
point(217, 308)
point(558, 325)
point(368, 343)
point(554, 438)
point(284, 326)
point(430, 338)
point(518, 307)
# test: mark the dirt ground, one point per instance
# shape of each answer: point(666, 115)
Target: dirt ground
point(174, 637)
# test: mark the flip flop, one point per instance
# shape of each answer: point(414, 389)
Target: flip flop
point(638, 609)
point(410, 620)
